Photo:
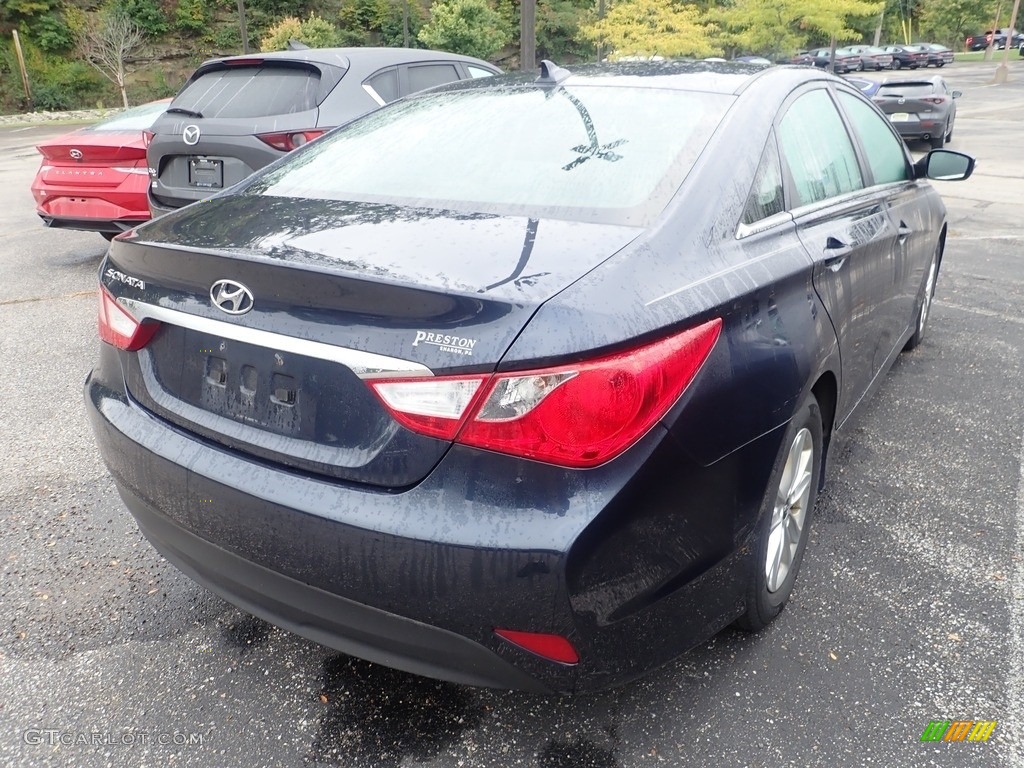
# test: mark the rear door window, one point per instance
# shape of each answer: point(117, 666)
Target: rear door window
point(423, 76)
point(245, 91)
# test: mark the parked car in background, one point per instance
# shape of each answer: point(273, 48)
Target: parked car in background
point(237, 114)
point(921, 108)
point(844, 60)
point(754, 60)
point(872, 56)
point(503, 385)
point(802, 58)
point(95, 178)
point(865, 86)
point(907, 56)
point(996, 37)
point(938, 55)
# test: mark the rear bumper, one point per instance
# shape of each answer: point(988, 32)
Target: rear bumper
point(92, 225)
point(633, 562)
point(331, 620)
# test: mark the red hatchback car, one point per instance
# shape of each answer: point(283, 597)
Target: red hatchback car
point(95, 178)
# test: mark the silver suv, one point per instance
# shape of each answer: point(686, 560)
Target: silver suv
point(238, 114)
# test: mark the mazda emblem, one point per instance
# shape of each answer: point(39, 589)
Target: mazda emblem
point(231, 297)
point(76, 154)
point(191, 135)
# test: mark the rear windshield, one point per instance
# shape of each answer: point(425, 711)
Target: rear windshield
point(907, 90)
point(578, 152)
point(241, 91)
point(135, 119)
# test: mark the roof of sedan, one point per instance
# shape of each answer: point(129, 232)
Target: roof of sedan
point(725, 77)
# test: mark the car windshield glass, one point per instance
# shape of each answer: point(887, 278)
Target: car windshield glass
point(577, 152)
point(135, 119)
point(250, 92)
point(906, 90)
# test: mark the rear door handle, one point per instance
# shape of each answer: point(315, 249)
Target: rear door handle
point(904, 232)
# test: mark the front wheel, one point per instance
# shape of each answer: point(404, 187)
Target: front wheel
point(927, 295)
point(785, 518)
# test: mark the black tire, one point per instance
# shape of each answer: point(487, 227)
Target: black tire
point(938, 142)
point(941, 64)
point(949, 133)
point(763, 603)
point(108, 236)
point(925, 302)
point(896, 63)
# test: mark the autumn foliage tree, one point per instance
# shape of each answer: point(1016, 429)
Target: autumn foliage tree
point(646, 28)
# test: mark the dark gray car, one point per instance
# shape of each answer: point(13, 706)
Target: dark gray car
point(919, 108)
point(238, 114)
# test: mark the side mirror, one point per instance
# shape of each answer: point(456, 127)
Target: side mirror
point(957, 94)
point(944, 165)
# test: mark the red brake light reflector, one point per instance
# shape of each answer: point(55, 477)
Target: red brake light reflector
point(550, 647)
point(118, 327)
point(288, 140)
point(579, 415)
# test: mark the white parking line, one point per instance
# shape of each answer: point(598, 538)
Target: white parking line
point(1015, 660)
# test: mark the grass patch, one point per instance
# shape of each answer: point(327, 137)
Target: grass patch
point(997, 56)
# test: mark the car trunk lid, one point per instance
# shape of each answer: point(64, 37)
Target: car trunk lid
point(341, 293)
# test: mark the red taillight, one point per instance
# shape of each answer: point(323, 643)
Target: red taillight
point(147, 138)
point(935, 99)
point(579, 415)
point(119, 328)
point(551, 647)
point(289, 140)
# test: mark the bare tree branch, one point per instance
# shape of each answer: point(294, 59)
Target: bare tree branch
point(106, 40)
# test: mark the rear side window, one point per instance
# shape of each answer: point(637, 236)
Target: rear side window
point(478, 72)
point(425, 76)
point(385, 85)
point(251, 92)
point(884, 150)
point(575, 153)
point(766, 197)
point(136, 119)
point(818, 150)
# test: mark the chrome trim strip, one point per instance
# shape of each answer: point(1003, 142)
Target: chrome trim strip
point(373, 94)
point(365, 365)
point(763, 225)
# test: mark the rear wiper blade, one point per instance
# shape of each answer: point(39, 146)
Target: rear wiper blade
point(183, 111)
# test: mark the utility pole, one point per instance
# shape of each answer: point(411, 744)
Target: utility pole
point(1003, 70)
point(24, 72)
point(527, 35)
point(241, 26)
point(600, 15)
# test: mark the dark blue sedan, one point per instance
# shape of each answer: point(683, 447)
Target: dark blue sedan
point(521, 382)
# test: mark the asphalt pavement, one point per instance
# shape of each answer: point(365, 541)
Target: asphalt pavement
point(909, 607)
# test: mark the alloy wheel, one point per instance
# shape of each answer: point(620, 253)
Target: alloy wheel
point(791, 507)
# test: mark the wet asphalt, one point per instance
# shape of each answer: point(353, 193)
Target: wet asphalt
point(909, 608)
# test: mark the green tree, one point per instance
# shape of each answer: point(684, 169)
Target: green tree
point(776, 28)
point(190, 15)
point(558, 29)
point(145, 14)
point(651, 28)
point(950, 21)
point(469, 27)
point(314, 32)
